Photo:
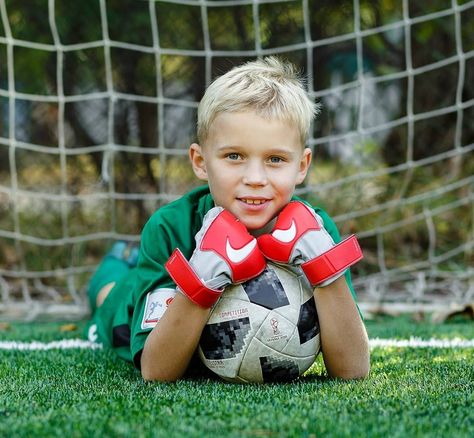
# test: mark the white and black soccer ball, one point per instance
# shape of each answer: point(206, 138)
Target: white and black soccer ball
point(264, 330)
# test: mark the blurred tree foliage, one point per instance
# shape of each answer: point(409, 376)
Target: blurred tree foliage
point(140, 76)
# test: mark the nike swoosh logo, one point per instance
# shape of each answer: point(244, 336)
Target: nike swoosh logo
point(287, 235)
point(237, 255)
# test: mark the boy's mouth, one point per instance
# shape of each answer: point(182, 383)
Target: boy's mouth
point(253, 201)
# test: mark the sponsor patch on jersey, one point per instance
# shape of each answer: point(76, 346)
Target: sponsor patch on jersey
point(156, 304)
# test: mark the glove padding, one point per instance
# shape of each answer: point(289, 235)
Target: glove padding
point(225, 253)
point(300, 239)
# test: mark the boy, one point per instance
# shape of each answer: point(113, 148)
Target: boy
point(252, 126)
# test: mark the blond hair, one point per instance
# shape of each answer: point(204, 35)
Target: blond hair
point(270, 87)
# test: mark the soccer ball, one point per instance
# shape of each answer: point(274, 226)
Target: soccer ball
point(264, 330)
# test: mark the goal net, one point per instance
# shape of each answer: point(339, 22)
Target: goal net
point(98, 103)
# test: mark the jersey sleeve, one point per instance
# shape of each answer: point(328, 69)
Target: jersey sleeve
point(172, 226)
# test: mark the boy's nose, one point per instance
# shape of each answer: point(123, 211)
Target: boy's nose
point(255, 174)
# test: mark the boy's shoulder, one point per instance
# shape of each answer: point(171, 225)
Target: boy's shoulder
point(181, 217)
point(195, 202)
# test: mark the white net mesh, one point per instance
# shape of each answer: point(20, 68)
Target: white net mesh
point(98, 103)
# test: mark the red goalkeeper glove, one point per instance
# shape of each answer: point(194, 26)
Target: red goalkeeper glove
point(300, 239)
point(225, 253)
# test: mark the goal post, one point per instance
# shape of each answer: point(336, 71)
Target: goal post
point(98, 104)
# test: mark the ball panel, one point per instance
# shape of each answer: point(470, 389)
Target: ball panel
point(228, 308)
point(277, 369)
point(225, 339)
point(295, 281)
point(308, 322)
point(266, 290)
point(290, 313)
point(295, 349)
point(226, 368)
point(275, 331)
point(235, 292)
point(284, 367)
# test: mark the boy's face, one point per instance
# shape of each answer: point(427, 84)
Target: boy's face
point(252, 165)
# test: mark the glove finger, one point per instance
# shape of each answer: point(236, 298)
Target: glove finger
point(209, 218)
point(211, 214)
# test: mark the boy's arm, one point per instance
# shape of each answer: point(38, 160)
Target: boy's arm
point(215, 264)
point(171, 344)
point(344, 341)
point(299, 238)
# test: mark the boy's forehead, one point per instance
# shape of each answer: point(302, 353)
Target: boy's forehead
point(238, 128)
point(230, 119)
point(251, 112)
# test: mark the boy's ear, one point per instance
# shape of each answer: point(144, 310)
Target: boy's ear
point(304, 165)
point(197, 161)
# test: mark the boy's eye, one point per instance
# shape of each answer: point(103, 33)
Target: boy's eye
point(275, 160)
point(233, 156)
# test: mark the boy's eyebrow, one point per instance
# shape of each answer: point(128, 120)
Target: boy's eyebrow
point(273, 150)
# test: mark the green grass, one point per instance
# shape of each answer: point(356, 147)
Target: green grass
point(86, 393)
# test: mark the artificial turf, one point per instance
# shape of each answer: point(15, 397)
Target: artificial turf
point(86, 393)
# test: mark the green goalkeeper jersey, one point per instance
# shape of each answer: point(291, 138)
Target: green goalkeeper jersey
point(139, 299)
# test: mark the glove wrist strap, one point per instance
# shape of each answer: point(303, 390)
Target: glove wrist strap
point(332, 262)
point(188, 282)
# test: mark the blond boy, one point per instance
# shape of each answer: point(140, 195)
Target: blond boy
point(253, 123)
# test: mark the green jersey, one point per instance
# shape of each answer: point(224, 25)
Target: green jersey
point(139, 299)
